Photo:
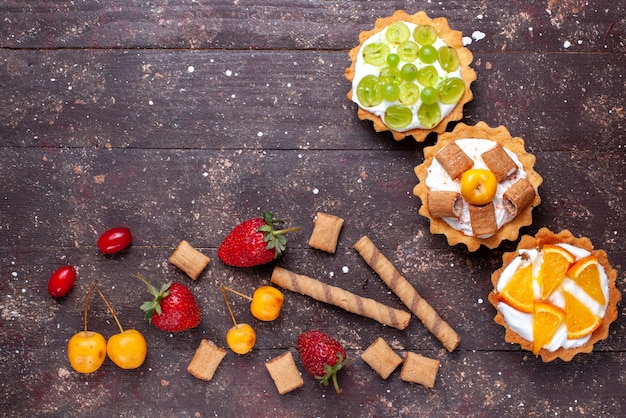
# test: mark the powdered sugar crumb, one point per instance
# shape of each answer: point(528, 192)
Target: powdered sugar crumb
point(478, 35)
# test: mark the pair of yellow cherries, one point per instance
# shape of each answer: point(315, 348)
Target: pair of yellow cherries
point(87, 350)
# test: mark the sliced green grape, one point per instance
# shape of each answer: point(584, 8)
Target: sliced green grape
point(390, 75)
point(393, 60)
point(429, 115)
point(427, 76)
point(390, 91)
point(429, 95)
point(397, 33)
point(451, 90)
point(368, 91)
point(425, 34)
point(428, 54)
point(408, 72)
point(409, 94)
point(376, 53)
point(448, 58)
point(398, 116)
point(408, 51)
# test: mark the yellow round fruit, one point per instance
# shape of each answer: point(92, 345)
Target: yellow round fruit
point(128, 349)
point(478, 186)
point(86, 351)
point(241, 338)
point(267, 302)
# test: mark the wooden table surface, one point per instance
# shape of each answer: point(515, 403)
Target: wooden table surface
point(180, 118)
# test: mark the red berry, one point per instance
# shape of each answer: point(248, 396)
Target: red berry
point(173, 307)
point(114, 240)
point(322, 356)
point(61, 281)
point(254, 242)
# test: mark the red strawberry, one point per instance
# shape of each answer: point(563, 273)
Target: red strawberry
point(322, 356)
point(254, 242)
point(173, 308)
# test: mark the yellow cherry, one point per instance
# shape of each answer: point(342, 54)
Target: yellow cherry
point(478, 186)
point(86, 351)
point(241, 338)
point(127, 349)
point(267, 302)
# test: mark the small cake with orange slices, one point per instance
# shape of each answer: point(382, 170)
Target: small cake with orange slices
point(477, 185)
point(555, 295)
point(410, 75)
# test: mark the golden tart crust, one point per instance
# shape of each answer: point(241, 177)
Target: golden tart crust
point(452, 38)
point(500, 135)
point(545, 236)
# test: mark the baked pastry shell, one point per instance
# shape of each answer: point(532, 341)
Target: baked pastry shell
point(545, 236)
point(452, 38)
point(500, 135)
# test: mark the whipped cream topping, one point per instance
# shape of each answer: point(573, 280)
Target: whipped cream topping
point(361, 69)
point(439, 180)
point(522, 323)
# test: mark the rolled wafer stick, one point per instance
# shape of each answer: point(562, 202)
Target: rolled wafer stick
point(339, 297)
point(407, 293)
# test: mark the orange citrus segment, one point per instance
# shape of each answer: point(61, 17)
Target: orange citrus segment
point(547, 319)
point(556, 261)
point(518, 292)
point(586, 274)
point(580, 321)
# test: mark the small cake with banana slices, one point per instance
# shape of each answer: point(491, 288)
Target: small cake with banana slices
point(478, 186)
point(555, 295)
point(410, 75)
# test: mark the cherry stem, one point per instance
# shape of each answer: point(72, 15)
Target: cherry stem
point(228, 306)
point(106, 302)
point(237, 293)
point(87, 304)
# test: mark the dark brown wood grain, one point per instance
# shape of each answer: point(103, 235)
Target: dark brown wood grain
point(180, 118)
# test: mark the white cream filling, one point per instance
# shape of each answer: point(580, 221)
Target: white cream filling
point(522, 323)
point(361, 69)
point(439, 180)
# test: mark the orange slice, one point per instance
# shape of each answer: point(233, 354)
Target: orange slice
point(547, 319)
point(518, 292)
point(556, 261)
point(586, 274)
point(580, 321)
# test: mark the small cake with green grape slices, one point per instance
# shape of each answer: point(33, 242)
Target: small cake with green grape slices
point(477, 186)
point(555, 295)
point(410, 75)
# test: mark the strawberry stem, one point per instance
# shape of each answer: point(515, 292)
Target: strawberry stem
point(286, 230)
point(154, 305)
point(330, 372)
point(275, 237)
